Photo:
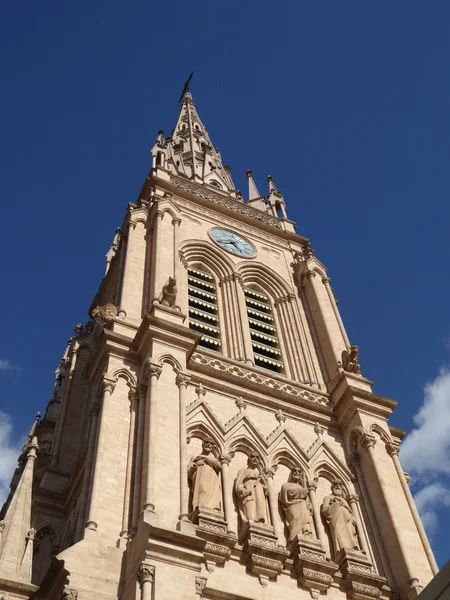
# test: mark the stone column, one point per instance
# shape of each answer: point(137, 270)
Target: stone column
point(132, 396)
point(225, 460)
point(377, 555)
point(320, 531)
point(393, 450)
point(127, 269)
point(159, 215)
point(64, 401)
point(146, 575)
point(326, 324)
point(353, 501)
point(176, 222)
point(243, 320)
point(368, 442)
point(107, 387)
point(93, 413)
point(182, 380)
point(273, 506)
point(154, 371)
point(137, 486)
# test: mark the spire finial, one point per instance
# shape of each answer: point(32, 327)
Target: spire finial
point(272, 187)
point(186, 87)
point(252, 189)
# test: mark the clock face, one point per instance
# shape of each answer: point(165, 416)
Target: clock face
point(232, 242)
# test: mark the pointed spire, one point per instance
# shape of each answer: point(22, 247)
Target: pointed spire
point(276, 200)
point(189, 152)
point(252, 189)
point(16, 551)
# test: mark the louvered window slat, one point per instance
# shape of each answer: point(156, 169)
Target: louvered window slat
point(263, 333)
point(202, 300)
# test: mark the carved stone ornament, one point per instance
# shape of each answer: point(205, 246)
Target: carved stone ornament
point(241, 372)
point(182, 379)
point(150, 370)
point(229, 203)
point(211, 526)
point(266, 558)
point(168, 295)
point(200, 584)
point(146, 573)
point(350, 360)
point(105, 314)
point(360, 579)
point(107, 385)
point(392, 448)
point(69, 593)
point(311, 566)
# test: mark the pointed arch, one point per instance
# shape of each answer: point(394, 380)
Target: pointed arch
point(382, 433)
point(126, 374)
point(244, 442)
point(202, 431)
point(287, 457)
point(171, 360)
point(193, 251)
point(265, 277)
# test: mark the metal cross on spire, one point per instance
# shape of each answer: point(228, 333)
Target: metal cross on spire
point(186, 86)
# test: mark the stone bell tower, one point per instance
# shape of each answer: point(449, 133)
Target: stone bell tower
point(210, 433)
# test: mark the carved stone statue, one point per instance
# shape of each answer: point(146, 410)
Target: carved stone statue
point(350, 360)
point(296, 505)
point(340, 519)
point(251, 490)
point(105, 314)
point(204, 478)
point(169, 293)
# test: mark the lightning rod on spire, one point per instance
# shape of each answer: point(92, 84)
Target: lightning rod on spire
point(186, 86)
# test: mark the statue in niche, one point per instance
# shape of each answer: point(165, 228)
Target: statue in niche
point(296, 505)
point(251, 490)
point(204, 477)
point(340, 519)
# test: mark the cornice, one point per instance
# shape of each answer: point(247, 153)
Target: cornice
point(230, 376)
point(227, 205)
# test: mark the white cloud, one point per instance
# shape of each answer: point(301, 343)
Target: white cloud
point(428, 500)
point(425, 452)
point(6, 366)
point(9, 452)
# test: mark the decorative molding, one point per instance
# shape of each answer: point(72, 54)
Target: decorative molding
point(229, 203)
point(280, 417)
point(362, 590)
point(226, 458)
point(244, 373)
point(69, 593)
point(392, 448)
point(368, 440)
point(200, 584)
point(182, 379)
point(318, 577)
point(145, 574)
point(107, 384)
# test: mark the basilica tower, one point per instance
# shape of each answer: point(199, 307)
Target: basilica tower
point(210, 433)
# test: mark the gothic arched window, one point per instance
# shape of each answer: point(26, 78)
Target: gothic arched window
point(203, 312)
point(263, 331)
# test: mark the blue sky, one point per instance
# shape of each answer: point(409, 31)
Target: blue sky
point(346, 104)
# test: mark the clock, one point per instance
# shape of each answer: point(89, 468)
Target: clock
point(232, 242)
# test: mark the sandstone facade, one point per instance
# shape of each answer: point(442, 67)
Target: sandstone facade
point(215, 366)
